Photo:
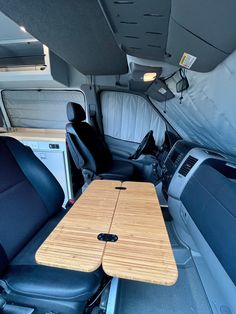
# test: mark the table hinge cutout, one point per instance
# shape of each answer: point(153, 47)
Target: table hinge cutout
point(107, 237)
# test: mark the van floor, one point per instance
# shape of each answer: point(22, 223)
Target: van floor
point(186, 296)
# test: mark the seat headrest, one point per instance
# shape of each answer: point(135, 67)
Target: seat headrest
point(75, 112)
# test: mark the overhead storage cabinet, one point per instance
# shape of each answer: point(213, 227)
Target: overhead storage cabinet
point(31, 62)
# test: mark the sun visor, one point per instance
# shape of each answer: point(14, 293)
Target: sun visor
point(139, 86)
point(160, 91)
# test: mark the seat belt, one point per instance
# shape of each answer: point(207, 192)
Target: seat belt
point(88, 174)
point(4, 286)
point(3, 303)
point(4, 263)
point(93, 118)
point(76, 156)
point(6, 290)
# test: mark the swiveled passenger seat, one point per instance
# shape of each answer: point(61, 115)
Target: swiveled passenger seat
point(89, 152)
point(30, 207)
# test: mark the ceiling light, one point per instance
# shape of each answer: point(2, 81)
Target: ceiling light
point(149, 76)
point(23, 29)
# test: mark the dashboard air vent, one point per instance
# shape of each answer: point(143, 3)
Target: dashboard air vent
point(176, 157)
point(187, 165)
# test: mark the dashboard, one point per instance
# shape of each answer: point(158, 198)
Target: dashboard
point(172, 162)
point(200, 185)
point(182, 161)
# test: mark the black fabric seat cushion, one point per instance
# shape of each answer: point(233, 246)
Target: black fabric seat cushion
point(49, 282)
point(119, 170)
point(25, 276)
point(95, 145)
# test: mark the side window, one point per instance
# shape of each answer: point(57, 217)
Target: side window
point(129, 117)
point(39, 108)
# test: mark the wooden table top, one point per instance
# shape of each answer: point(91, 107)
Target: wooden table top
point(31, 134)
point(73, 243)
point(143, 251)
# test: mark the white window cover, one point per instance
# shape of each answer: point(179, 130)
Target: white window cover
point(129, 117)
point(39, 108)
point(207, 114)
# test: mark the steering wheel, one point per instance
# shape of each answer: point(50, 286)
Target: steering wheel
point(143, 145)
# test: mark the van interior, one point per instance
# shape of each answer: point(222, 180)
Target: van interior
point(127, 91)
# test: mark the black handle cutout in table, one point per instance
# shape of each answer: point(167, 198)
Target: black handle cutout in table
point(107, 237)
point(120, 188)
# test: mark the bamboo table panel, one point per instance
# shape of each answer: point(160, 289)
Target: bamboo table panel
point(73, 243)
point(143, 251)
point(29, 134)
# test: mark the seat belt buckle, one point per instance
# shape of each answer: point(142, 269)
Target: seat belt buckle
point(69, 203)
point(4, 287)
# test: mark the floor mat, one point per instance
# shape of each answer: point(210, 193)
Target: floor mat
point(172, 236)
point(187, 296)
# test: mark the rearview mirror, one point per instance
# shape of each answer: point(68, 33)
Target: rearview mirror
point(182, 85)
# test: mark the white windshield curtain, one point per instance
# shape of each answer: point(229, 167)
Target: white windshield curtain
point(39, 109)
point(207, 113)
point(129, 117)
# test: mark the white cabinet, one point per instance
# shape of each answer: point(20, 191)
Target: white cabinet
point(55, 162)
point(55, 158)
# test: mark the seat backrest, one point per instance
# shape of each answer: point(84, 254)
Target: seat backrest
point(29, 196)
point(87, 148)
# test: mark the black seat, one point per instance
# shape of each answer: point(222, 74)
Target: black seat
point(89, 152)
point(30, 207)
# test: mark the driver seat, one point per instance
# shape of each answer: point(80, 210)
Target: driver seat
point(89, 152)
